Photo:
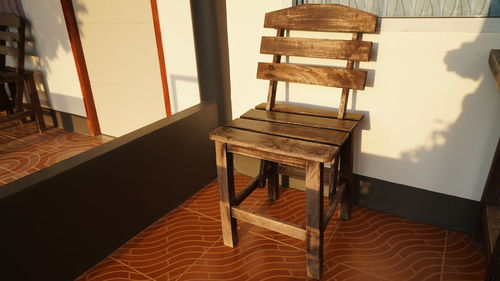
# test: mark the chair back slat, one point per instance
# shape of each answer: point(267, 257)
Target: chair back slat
point(12, 39)
point(9, 51)
point(317, 48)
point(9, 19)
point(9, 36)
point(321, 17)
point(316, 75)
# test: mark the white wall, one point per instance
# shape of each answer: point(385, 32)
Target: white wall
point(52, 57)
point(431, 102)
point(120, 49)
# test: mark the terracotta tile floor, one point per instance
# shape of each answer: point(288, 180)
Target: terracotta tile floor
point(186, 244)
point(24, 151)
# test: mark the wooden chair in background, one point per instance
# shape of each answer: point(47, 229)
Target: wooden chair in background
point(289, 138)
point(12, 44)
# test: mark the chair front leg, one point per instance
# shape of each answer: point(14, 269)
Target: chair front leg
point(225, 177)
point(314, 210)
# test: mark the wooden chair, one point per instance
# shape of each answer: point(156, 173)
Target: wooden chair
point(289, 139)
point(12, 41)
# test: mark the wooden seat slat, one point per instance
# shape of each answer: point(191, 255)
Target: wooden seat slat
point(321, 17)
point(294, 131)
point(304, 120)
point(275, 144)
point(303, 110)
point(315, 75)
point(317, 48)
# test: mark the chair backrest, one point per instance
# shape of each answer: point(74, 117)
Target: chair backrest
point(12, 39)
point(317, 17)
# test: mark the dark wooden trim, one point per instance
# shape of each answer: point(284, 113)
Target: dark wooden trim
point(81, 66)
point(161, 57)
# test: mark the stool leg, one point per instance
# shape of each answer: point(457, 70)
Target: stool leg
point(314, 210)
point(273, 188)
point(225, 177)
point(346, 166)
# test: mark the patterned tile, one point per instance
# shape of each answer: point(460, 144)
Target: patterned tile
point(23, 150)
point(462, 262)
point(171, 245)
point(7, 176)
point(110, 269)
point(390, 247)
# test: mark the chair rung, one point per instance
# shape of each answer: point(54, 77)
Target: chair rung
point(283, 227)
point(242, 195)
point(333, 204)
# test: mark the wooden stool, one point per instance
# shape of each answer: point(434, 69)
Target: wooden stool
point(297, 140)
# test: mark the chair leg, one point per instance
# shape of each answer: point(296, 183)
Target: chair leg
point(225, 177)
point(35, 102)
point(273, 188)
point(314, 211)
point(333, 178)
point(262, 173)
point(346, 167)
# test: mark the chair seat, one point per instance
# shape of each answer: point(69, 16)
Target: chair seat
point(302, 137)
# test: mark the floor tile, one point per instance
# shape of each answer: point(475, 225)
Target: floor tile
point(206, 201)
point(171, 245)
point(7, 176)
point(110, 269)
point(254, 258)
point(390, 247)
point(462, 262)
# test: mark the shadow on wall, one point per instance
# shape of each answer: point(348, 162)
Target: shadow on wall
point(472, 137)
point(175, 80)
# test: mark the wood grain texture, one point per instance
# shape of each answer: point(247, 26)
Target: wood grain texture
point(294, 131)
point(273, 85)
point(268, 156)
point(494, 61)
point(9, 51)
point(346, 175)
point(314, 218)
point(274, 144)
point(317, 48)
point(9, 36)
point(270, 223)
point(492, 213)
point(273, 185)
point(9, 19)
point(315, 75)
point(303, 110)
point(311, 121)
point(300, 173)
point(225, 176)
point(345, 91)
point(317, 17)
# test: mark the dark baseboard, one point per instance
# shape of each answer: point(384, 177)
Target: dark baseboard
point(66, 121)
point(426, 206)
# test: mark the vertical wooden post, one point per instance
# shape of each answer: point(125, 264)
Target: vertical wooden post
point(161, 57)
point(273, 186)
point(81, 66)
point(225, 176)
point(314, 210)
point(346, 167)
